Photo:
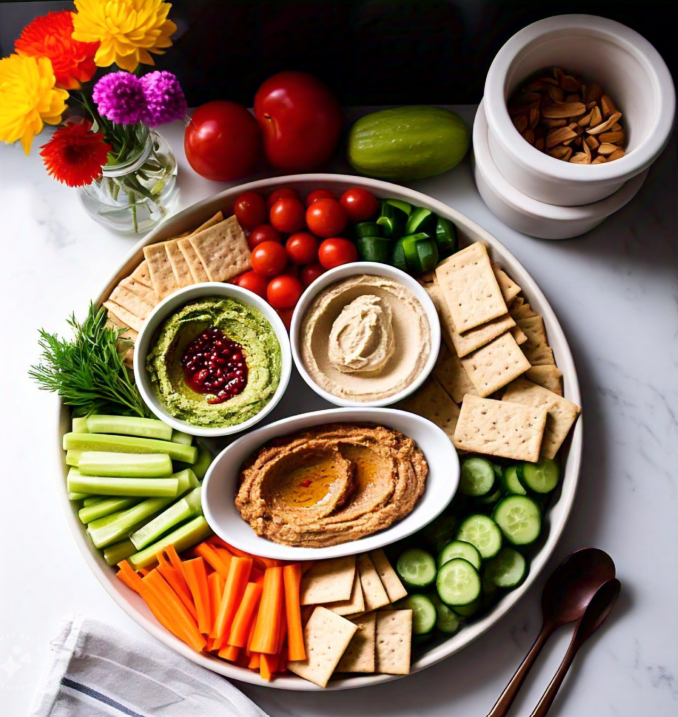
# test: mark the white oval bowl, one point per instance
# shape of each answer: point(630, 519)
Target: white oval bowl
point(173, 303)
point(344, 272)
point(623, 63)
point(529, 216)
point(222, 481)
point(558, 514)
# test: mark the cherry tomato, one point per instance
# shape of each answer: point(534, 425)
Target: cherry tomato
point(335, 252)
point(250, 210)
point(318, 194)
point(310, 273)
point(262, 233)
point(284, 291)
point(326, 218)
point(269, 258)
point(302, 248)
point(359, 204)
point(287, 215)
point(283, 193)
point(253, 282)
point(222, 141)
point(286, 316)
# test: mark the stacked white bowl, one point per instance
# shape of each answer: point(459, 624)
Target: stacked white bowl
point(547, 197)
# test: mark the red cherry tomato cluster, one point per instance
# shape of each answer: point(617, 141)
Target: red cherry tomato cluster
point(293, 242)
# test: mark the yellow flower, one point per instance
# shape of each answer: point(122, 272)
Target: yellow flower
point(127, 30)
point(28, 98)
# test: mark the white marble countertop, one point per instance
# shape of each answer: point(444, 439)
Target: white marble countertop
point(615, 292)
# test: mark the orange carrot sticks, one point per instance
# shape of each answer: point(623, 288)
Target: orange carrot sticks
point(268, 664)
point(267, 629)
point(196, 577)
point(218, 561)
point(259, 561)
point(129, 577)
point(230, 653)
point(215, 584)
point(295, 630)
point(240, 628)
point(255, 661)
point(238, 575)
point(177, 582)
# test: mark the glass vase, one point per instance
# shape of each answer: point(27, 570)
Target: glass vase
point(134, 194)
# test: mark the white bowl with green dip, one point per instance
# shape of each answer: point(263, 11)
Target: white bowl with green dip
point(212, 359)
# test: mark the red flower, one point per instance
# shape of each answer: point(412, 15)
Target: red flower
point(50, 36)
point(75, 155)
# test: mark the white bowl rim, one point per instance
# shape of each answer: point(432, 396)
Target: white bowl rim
point(541, 164)
point(210, 289)
point(346, 271)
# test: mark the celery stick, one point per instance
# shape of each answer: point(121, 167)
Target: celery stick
point(78, 496)
point(187, 481)
point(80, 425)
point(128, 444)
point(114, 554)
point(92, 500)
point(129, 426)
point(182, 538)
point(182, 510)
point(105, 532)
point(139, 487)
point(125, 465)
point(202, 463)
point(90, 513)
point(179, 437)
point(73, 458)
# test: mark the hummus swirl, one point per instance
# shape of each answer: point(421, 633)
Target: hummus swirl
point(331, 484)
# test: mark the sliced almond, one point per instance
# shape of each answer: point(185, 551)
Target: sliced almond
point(592, 92)
point(596, 117)
point(521, 123)
point(534, 117)
point(559, 152)
point(552, 124)
point(568, 142)
point(581, 158)
point(607, 149)
point(607, 106)
point(592, 142)
point(590, 105)
point(528, 135)
point(599, 160)
point(584, 120)
point(570, 84)
point(584, 146)
point(557, 136)
point(605, 125)
point(616, 155)
point(574, 97)
point(539, 144)
point(611, 137)
point(616, 127)
point(558, 74)
point(556, 94)
point(567, 109)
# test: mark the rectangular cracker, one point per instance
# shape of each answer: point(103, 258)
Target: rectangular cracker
point(388, 576)
point(136, 287)
point(452, 375)
point(360, 655)
point(352, 606)
point(194, 264)
point(143, 275)
point(432, 401)
point(373, 591)
point(481, 335)
point(223, 250)
point(518, 335)
point(509, 288)
point(500, 428)
point(130, 301)
point(218, 217)
point(521, 309)
point(328, 581)
point(561, 413)
point(550, 377)
point(394, 641)
point(125, 318)
point(182, 272)
point(536, 348)
point(326, 636)
point(160, 269)
point(430, 283)
point(470, 288)
point(495, 364)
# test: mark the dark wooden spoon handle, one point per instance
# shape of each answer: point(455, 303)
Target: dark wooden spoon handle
point(549, 695)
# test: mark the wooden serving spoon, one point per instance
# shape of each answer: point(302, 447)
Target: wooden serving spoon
point(565, 597)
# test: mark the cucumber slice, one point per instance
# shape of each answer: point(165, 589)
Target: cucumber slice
point(367, 229)
point(416, 568)
point(519, 518)
point(441, 531)
point(92, 499)
point(130, 426)
point(203, 463)
point(128, 444)
point(113, 554)
point(446, 237)
point(374, 249)
point(78, 496)
point(492, 498)
point(79, 425)
point(135, 487)
point(104, 532)
point(539, 477)
point(421, 219)
point(180, 437)
point(125, 465)
point(477, 477)
point(423, 613)
point(468, 610)
point(483, 533)
point(511, 482)
point(447, 621)
point(427, 253)
point(399, 204)
point(398, 256)
point(458, 583)
point(182, 538)
point(459, 549)
point(90, 513)
point(392, 219)
point(507, 568)
point(73, 458)
point(182, 510)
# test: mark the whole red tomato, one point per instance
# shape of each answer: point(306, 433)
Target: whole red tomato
point(250, 210)
point(222, 141)
point(359, 204)
point(302, 248)
point(288, 215)
point(262, 233)
point(283, 292)
point(269, 258)
point(310, 273)
point(253, 282)
point(300, 119)
point(326, 218)
point(282, 193)
point(335, 252)
point(318, 194)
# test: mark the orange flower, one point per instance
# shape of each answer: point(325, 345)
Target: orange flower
point(51, 36)
point(75, 155)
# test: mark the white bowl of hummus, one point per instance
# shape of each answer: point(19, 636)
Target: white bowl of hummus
point(365, 334)
point(212, 359)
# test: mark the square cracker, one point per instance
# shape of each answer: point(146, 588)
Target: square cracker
point(470, 288)
point(124, 318)
point(360, 655)
point(495, 364)
point(143, 275)
point(518, 335)
point(431, 401)
point(388, 576)
point(509, 288)
point(223, 250)
point(430, 283)
point(352, 606)
point(561, 413)
point(182, 272)
point(500, 428)
point(328, 581)
point(536, 348)
point(452, 375)
point(521, 309)
point(481, 335)
point(136, 287)
point(194, 264)
point(550, 377)
point(326, 636)
point(373, 591)
point(218, 217)
point(394, 641)
point(160, 269)
point(130, 301)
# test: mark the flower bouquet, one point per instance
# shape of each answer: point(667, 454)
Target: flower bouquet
point(106, 144)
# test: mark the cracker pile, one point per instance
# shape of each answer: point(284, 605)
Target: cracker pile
point(351, 622)
point(495, 388)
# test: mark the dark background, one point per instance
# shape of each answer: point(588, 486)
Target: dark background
point(370, 52)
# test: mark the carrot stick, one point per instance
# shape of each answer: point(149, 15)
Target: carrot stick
point(143, 572)
point(257, 576)
point(177, 564)
point(196, 577)
point(268, 664)
point(253, 626)
point(219, 562)
point(240, 628)
point(258, 560)
point(215, 584)
point(265, 638)
point(230, 653)
point(238, 575)
point(177, 583)
point(295, 630)
point(129, 577)
point(255, 661)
